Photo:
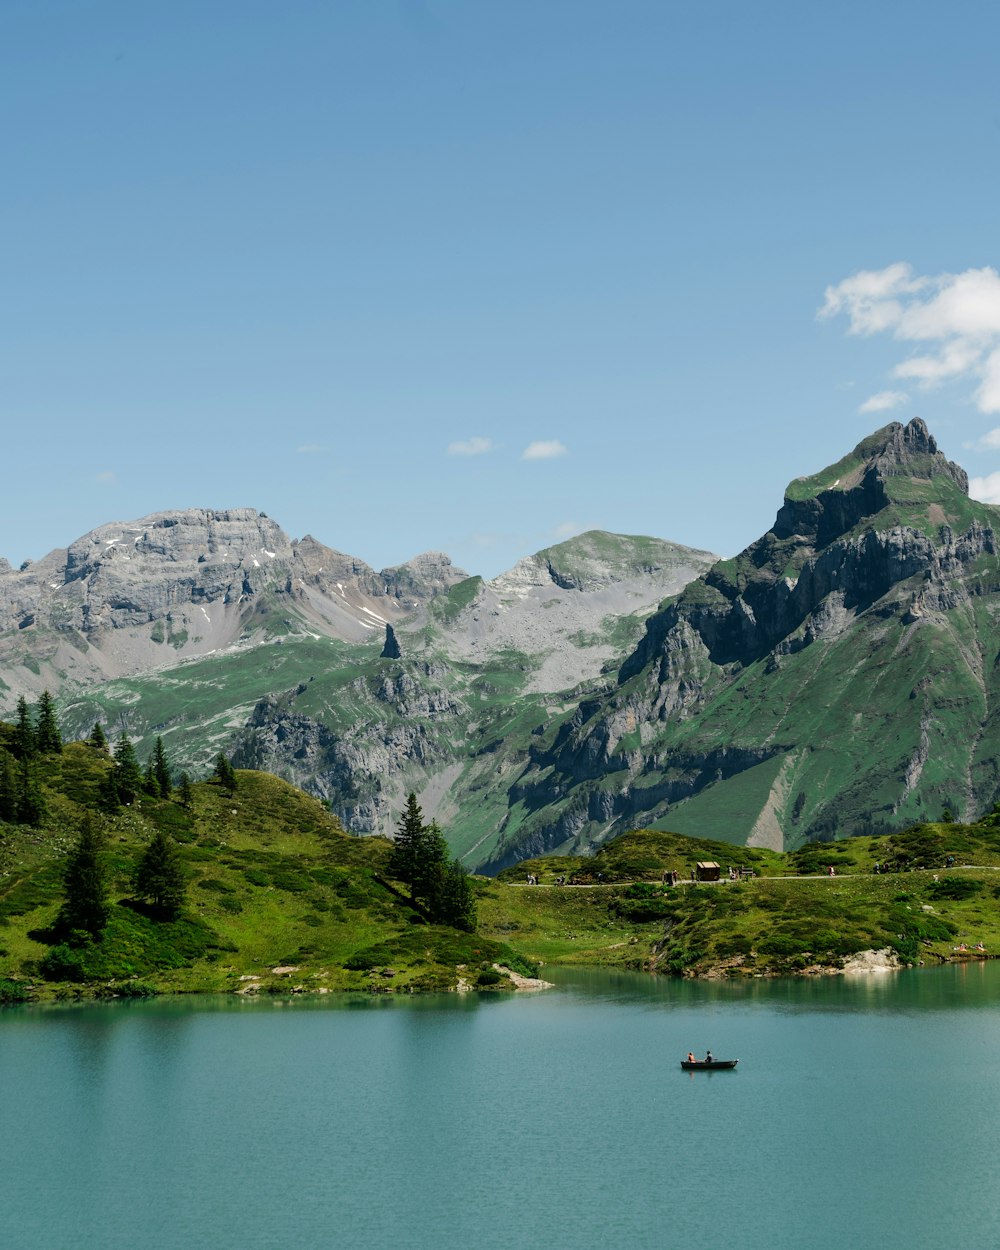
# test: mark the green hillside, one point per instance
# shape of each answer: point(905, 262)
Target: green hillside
point(278, 897)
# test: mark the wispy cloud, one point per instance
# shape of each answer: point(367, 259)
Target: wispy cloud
point(106, 475)
point(545, 450)
point(568, 529)
point(956, 315)
point(883, 401)
point(986, 489)
point(990, 441)
point(310, 449)
point(471, 447)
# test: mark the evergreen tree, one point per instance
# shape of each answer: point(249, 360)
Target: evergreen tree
point(107, 792)
point(48, 739)
point(158, 877)
point(186, 793)
point(149, 782)
point(127, 774)
point(85, 908)
point(405, 849)
point(29, 803)
point(8, 788)
point(224, 773)
point(458, 901)
point(431, 861)
point(161, 770)
point(24, 732)
point(97, 738)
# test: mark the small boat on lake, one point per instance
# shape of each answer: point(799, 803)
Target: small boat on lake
point(711, 1065)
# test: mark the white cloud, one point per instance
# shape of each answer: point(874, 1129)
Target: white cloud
point(883, 401)
point(986, 489)
point(957, 314)
point(990, 441)
point(471, 447)
point(544, 450)
point(309, 449)
point(108, 475)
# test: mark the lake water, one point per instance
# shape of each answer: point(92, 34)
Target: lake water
point(864, 1113)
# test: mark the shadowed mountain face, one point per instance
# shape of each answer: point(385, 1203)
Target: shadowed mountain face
point(839, 674)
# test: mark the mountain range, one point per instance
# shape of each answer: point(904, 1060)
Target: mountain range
point(839, 675)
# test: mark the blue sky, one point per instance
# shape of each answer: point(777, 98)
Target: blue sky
point(471, 276)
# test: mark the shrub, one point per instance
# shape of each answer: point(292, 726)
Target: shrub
point(63, 963)
point(489, 976)
point(13, 992)
point(955, 888)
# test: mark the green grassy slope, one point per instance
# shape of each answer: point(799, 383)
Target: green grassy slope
point(273, 882)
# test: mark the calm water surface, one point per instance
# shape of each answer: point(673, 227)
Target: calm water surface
point(864, 1113)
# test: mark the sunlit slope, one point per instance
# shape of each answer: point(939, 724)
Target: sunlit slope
point(838, 675)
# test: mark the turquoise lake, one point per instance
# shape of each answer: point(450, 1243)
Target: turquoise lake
point(865, 1112)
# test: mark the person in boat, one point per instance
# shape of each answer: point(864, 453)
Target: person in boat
point(691, 1058)
point(708, 1056)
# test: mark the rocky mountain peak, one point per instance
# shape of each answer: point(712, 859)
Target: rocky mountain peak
point(896, 463)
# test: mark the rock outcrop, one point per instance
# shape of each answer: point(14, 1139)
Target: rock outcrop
point(787, 692)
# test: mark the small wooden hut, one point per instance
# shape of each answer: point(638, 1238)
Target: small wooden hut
point(708, 870)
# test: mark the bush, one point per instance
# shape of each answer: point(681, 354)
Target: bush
point(63, 963)
point(13, 992)
point(955, 888)
point(489, 976)
point(220, 887)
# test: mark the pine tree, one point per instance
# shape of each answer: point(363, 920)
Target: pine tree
point(158, 877)
point(29, 803)
point(431, 861)
point(149, 782)
point(8, 788)
point(185, 791)
point(405, 849)
point(224, 773)
point(458, 901)
point(24, 732)
point(128, 776)
point(107, 792)
point(85, 908)
point(48, 739)
point(161, 770)
point(97, 738)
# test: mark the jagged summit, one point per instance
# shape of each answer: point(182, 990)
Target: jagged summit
point(834, 675)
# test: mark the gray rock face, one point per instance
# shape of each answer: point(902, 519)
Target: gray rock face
point(134, 596)
point(857, 554)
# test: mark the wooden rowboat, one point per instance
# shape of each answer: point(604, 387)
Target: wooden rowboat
point(700, 1065)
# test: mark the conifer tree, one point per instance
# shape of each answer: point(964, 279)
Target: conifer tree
point(149, 782)
point(24, 732)
point(107, 792)
point(185, 791)
point(224, 773)
point(48, 739)
point(29, 803)
point(8, 788)
point(431, 859)
point(161, 770)
point(159, 878)
point(458, 901)
point(405, 848)
point(127, 774)
point(85, 907)
point(97, 737)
